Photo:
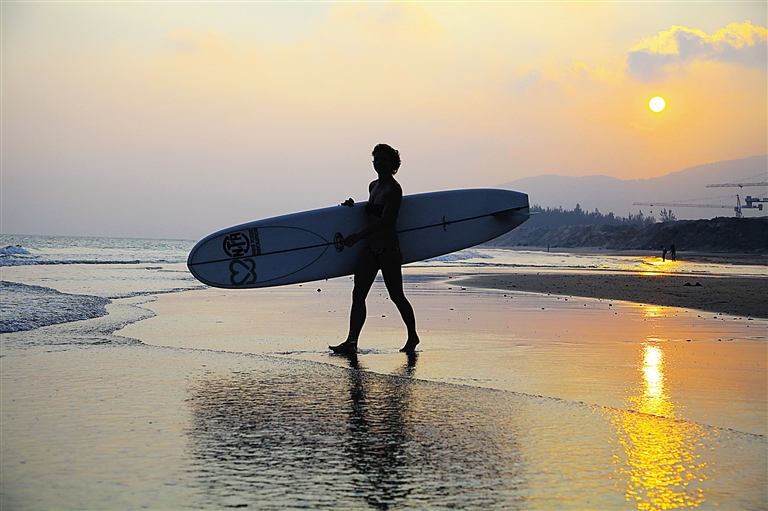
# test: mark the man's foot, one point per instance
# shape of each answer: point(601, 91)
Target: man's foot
point(345, 348)
point(410, 345)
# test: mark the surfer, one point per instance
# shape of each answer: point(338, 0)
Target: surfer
point(382, 250)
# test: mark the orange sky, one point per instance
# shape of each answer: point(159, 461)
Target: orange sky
point(175, 119)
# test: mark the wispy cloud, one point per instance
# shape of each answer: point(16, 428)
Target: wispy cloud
point(738, 43)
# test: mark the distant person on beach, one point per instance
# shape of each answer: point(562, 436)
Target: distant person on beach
point(672, 252)
point(382, 251)
point(663, 253)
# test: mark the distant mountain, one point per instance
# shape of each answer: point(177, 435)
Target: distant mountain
point(609, 194)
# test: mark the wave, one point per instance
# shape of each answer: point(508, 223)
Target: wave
point(461, 255)
point(30, 262)
point(23, 250)
point(26, 307)
point(13, 250)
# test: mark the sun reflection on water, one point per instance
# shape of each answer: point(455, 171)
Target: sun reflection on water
point(654, 311)
point(655, 266)
point(654, 400)
point(661, 467)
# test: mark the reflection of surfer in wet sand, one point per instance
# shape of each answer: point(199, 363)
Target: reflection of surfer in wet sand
point(382, 250)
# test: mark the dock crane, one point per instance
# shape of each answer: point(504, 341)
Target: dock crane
point(736, 208)
point(748, 200)
point(732, 185)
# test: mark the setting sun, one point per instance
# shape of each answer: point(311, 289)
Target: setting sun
point(657, 104)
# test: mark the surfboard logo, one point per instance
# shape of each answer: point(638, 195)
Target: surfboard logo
point(338, 242)
point(242, 272)
point(236, 244)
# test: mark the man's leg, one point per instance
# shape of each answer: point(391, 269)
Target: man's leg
point(365, 274)
point(391, 270)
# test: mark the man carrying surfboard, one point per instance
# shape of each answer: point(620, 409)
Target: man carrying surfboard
point(382, 251)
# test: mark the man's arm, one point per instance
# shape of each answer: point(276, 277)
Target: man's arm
point(388, 217)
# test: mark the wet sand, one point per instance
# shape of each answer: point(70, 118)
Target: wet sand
point(738, 296)
point(145, 427)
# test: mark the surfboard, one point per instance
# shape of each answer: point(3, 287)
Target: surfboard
point(308, 246)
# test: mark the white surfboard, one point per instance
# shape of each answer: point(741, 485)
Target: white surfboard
point(308, 246)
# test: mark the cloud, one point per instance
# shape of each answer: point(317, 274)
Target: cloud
point(739, 43)
point(388, 21)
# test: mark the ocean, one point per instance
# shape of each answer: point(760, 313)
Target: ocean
point(128, 384)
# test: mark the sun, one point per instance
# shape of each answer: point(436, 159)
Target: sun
point(657, 104)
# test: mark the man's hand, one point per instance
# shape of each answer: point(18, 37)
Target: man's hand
point(349, 202)
point(352, 239)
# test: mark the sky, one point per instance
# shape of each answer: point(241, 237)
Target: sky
point(177, 119)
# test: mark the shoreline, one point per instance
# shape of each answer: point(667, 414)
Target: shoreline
point(740, 258)
point(736, 296)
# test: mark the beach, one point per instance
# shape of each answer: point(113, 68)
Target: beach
point(737, 296)
point(199, 201)
point(165, 394)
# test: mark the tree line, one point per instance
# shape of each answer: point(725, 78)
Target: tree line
point(556, 217)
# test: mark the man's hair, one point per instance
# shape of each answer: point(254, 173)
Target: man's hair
point(394, 155)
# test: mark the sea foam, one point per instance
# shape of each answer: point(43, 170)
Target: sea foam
point(461, 255)
point(25, 307)
point(13, 250)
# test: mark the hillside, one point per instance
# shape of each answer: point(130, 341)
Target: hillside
point(731, 235)
point(610, 194)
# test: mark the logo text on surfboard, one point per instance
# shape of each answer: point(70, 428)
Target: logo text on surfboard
point(239, 244)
